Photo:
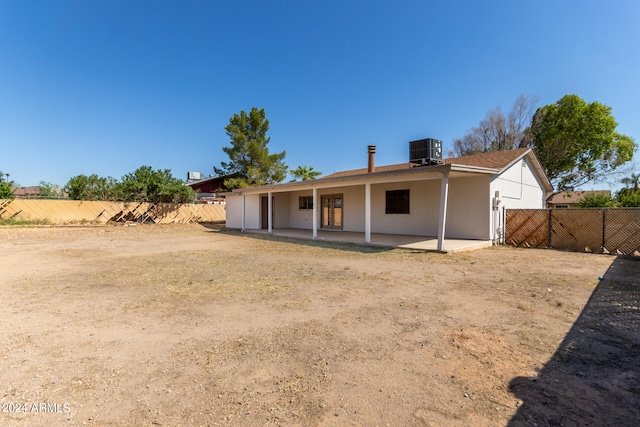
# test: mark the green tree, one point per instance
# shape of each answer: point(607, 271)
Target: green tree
point(5, 187)
point(250, 161)
point(596, 201)
point(629, 196)
point(155, 186)
point(577, 142)
point(629, 199)
point(51, 191)
point(5, 190)
point(632, 182)
point(305, 173)
point(92, 187)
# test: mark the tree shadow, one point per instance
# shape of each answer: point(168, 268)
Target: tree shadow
point(594, 376)
point(215, 226)
point(343, 246)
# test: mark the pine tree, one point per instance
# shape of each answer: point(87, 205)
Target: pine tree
point(250, 162)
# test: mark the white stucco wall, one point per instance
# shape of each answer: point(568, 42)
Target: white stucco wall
point(352, 206)
point(469, 208)
point(519, 187)
point(253, 218)
point(281, 209)
point(300, 218)
point(234, 211)
point(467, 216)
point(422, 219)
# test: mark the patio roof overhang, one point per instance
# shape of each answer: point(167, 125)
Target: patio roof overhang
point(440, 172)
point(402, 175)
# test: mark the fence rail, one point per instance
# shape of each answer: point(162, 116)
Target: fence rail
point(610, 231)
point(75, 211)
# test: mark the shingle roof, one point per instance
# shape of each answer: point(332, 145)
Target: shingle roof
point(26, 191)
point(352, 172)
point(569, 197)
point(495, 160)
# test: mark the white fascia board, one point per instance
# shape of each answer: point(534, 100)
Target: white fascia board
point(542, 176)
point(412, 174)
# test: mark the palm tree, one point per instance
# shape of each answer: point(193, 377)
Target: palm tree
point(633, 181)
point(305, 173)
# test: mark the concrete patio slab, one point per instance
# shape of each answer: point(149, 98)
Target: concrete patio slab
point(383, 240)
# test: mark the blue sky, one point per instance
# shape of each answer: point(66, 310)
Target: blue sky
point(107, 86)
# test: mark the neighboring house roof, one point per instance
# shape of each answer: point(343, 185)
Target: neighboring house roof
point(26, 191)
point(213, 183)
point(573, 197)
point(210, 185)
point(491, 163)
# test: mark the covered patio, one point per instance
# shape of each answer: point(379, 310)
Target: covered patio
point(450, 206)
point(355, 206)
point(383, 240)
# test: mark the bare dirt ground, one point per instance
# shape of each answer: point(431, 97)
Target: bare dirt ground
point(193, 325)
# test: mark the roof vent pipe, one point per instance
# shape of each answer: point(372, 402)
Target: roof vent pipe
point(372, 151)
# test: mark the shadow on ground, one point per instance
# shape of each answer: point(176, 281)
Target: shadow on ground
point(343, 246)
point(593, 379)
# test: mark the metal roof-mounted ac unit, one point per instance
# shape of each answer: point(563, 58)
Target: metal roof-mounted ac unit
point(194, 176)
point(425, 152)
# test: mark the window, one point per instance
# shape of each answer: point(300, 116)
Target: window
point(397, 202)
point(305, 203)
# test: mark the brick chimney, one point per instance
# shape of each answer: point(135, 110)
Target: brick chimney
point(372, 152)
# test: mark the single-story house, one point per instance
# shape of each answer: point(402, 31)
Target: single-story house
point(456, 198)
point(570, 199)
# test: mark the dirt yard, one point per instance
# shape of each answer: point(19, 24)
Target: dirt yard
point(192, 325)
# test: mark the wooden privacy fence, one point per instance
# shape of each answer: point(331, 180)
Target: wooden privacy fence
point(97, 212)
point(610, 231)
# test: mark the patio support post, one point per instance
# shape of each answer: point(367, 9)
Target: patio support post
point(444, 193)
point(315, 213)
point(270, 212)
point(243, 212)
point(367, 212)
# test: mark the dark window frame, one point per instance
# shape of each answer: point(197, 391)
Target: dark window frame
point(305, 203)
point(397, 202)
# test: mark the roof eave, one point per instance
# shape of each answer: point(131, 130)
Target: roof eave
point(301, 185)
point(533, 158)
